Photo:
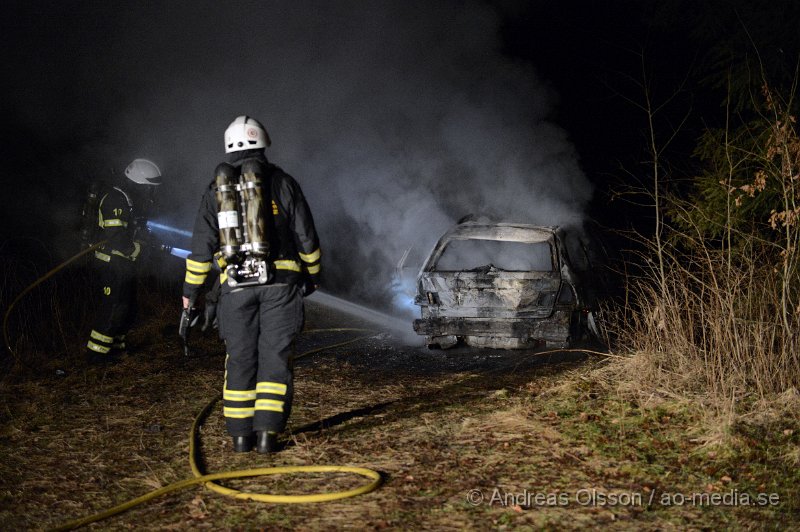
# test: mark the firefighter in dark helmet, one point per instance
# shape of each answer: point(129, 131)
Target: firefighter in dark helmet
point(254, 222)
point(120, 221)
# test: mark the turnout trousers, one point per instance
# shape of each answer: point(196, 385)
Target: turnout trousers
point(116, 307)
point(259, 325)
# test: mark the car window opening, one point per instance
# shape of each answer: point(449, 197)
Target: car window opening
point(481, 255)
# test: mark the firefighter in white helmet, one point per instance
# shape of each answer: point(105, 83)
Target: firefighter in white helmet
point(119, 218)
point(256, 224)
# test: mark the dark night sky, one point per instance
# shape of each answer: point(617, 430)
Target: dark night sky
point(388, 113)
point(76, 67)
point(593, 53)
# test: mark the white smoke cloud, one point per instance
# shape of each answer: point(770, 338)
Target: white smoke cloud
point(396, 117)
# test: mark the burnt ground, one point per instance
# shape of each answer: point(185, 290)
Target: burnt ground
point(463, 439)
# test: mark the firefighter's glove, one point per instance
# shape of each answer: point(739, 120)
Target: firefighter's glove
point(209, 317)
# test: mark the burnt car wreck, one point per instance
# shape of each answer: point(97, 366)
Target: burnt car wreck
point(508, 286)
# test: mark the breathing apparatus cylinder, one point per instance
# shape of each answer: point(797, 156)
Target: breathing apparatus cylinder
point(253, 207)
point(243, 231)
point(89, 220)
point(228, 216)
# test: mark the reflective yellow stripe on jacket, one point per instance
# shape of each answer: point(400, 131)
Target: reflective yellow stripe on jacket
point(196, 272)
point(311, 261)
point(106, 257)
point(290, 265)
point(222, 263)
point(114, 222)
point(311, 257)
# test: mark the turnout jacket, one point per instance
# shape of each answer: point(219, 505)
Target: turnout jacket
point(117, 226)
point(294, 245)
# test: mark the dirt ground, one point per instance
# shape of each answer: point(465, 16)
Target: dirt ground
point(464, 439)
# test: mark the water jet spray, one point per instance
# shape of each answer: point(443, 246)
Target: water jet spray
point(398, 326)
point(168, 228)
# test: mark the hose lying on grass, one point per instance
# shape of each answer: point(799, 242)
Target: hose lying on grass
point(36, 283)
point(208, 479)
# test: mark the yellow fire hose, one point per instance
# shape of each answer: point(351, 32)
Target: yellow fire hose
point(36, 283)
point(208, 480)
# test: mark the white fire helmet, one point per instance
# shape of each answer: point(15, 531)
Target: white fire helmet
point(245, 133)
point(143, 172)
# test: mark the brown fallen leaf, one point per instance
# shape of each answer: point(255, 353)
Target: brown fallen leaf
point(197, 508)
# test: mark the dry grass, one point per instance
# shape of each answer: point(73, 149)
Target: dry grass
point(716, 328)
point(436, 425)
point(711, 317)
point(81, 443)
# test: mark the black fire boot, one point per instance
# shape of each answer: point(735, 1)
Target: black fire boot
point(266, 442)
point(243, 444)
